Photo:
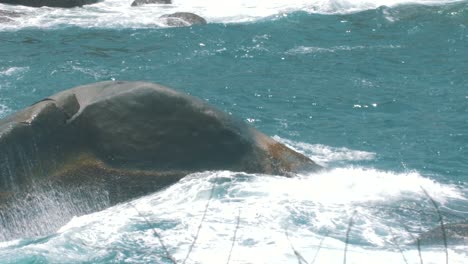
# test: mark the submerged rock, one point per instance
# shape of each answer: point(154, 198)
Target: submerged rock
point(131, 138)
point(144, 2)
point(50, 3)
point(183, 19)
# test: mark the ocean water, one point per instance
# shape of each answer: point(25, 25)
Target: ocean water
point(375, 91)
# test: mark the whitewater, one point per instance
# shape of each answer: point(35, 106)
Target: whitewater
point(119, 13)
point(374, 91)
point(359, 214)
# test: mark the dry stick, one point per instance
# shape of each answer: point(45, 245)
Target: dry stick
point(419, 250)
point(397, 245)
point(201, 222)
point(418, 242)
point(442, 226)
point(234, 237)
point(298, 255)
point(319, 247)
point(347, 235)
point(168, 255)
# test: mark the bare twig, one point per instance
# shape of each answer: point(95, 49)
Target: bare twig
point(350, 225)
point(201, 222)
point(319, 247)
point(441, 221)
point(397, 245)
point(418, 241)
point(298, 255)
point(168, 255)
point(234, 237)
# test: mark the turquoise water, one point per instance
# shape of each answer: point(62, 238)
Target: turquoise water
point(377, 95)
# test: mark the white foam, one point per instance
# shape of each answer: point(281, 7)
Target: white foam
point(361, 185)
point(13, 71)
point(325, 154)
point(310, 50)
point(3, 110)
point(314, 210)
point(119, 13)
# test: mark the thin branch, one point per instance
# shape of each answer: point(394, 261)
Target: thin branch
point(319, 247)
point(350, 225)
point(418, 241)
point(419, 250)
point(168, 255)
point(298, 255)
point(441, 221)
point(397, 245)
point(201, 222)
point(234, 237)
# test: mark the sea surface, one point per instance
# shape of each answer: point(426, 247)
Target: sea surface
point(375, 91)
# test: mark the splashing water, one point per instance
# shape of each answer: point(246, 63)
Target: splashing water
point(119, 13)
point(360, 93)
point(260, 217)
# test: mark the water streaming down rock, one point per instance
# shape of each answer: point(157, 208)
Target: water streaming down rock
point(126, 139)
point(44, 207)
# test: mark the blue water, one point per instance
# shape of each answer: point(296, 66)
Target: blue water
point(379, 96)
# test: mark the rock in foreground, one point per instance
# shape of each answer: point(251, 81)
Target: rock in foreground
point(131, 138)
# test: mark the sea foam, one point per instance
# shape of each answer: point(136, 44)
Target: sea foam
point(119, 13)
point(263, 218)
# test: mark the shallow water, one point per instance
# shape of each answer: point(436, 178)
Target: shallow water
point(375, 91)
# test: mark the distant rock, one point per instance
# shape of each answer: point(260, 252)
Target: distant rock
point(50, 3)
point(144, 2)
point(183, 19)
point(6, 16)
point(131, 138)
point(455, 233)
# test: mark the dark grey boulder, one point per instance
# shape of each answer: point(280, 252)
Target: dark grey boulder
point(93, 146)
point(132, 138)
point(454, 233)
point(50, 3)
point(144, 2)
point(183, 19)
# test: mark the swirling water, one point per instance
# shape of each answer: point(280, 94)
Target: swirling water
point(376, 91)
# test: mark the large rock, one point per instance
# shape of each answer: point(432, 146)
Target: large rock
point(144, 2)
point(183, 19)
point(51, 3)
point(92, 146)
point(131, 138)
